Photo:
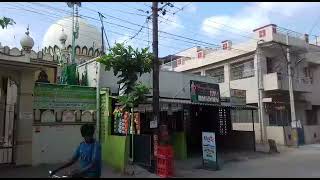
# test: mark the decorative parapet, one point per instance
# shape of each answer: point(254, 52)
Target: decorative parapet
point(64, 104)
point(14, 54)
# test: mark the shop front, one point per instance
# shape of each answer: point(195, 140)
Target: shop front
point(191, 107)
point(186, 120)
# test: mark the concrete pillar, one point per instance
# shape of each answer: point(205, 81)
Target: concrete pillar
point(260, 70)
point(23, 150)
point(227, 78)
point(203, 72)
point(2, 107)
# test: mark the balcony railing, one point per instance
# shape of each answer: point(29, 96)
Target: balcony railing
point(277, 81)
point(313, 39)
point(178, 62)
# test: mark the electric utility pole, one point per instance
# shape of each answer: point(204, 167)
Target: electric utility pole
point(292, 105)
point(263, 130)
point(155, 71)
point(75, 28)
point(102, 30)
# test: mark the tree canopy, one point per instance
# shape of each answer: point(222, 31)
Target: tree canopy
point(4, 22)
point(128, 64)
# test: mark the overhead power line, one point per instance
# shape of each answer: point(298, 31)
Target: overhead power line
point(174, 35)
point(206, 44)
point(67, 27)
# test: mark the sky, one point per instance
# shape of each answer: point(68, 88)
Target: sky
point(197, 24)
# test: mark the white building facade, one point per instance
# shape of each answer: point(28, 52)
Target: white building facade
point(237, 67)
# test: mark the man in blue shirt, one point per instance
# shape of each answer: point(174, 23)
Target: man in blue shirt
point(89, 154)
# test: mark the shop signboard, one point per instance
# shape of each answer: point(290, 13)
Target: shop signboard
point(202, 92)
point(65, 97)
point(155, 145)
point(237, 97)
point(209, 153)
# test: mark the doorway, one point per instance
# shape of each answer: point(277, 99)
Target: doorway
point(202, 119)
point(8, 104)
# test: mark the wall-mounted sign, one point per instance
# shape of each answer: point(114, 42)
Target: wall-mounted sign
point(209, 153)
point(53, 96)
point(154, 123)
point(237, 97)
point(202, 92)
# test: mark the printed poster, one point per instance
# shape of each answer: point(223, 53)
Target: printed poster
point(209, 154)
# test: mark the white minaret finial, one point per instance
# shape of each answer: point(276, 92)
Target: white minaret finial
point(27, 33)
point(26, 41)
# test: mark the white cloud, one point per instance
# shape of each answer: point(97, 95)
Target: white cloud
point(173, 24)
point(12, 35)
point(192, 8)
point(135, 43)
point(247, 19)
point(258, 14)
point(288, 9)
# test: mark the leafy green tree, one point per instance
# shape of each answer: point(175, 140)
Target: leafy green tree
point(4, 22)
point(135, 97)
point(127, 64)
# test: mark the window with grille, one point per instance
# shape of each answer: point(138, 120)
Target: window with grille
point(280, 118)
point(217, 74)
point(224, 123)
point(242, 70)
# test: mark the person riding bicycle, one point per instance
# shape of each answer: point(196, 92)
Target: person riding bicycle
point(89, 154)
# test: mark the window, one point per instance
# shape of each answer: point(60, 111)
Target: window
point(269, 65)
point(225, 46)
point(200, 54)
point(179, 61)
point(312, 116)
point(262, 33)
point(242, 70)
point(244, 116)
point(274, 30)
point(279, 117)
point(217, 74)
point(306, 72)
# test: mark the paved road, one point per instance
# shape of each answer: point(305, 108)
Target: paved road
point(42, 172)
point(301, 162)
point(293, 163)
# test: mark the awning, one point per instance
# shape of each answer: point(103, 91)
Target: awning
point(187, 101)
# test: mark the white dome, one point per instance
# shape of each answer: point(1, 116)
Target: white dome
point(26, 41)
point(88, 34)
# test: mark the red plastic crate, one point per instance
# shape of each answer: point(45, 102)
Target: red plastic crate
point(165, 151)
point(165, 166)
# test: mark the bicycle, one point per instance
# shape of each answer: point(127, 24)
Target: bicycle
point(55, 176)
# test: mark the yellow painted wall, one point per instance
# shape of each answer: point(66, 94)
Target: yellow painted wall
point(50, 73)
